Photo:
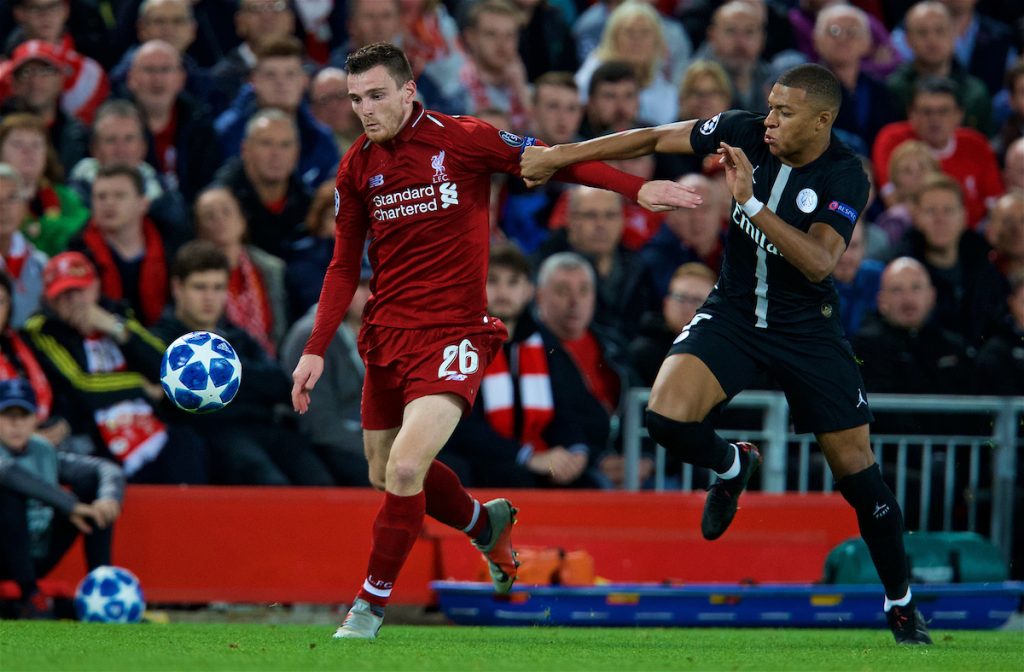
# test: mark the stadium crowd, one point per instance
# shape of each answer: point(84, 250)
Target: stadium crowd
point(169, 165)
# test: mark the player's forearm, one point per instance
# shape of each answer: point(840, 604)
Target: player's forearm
point(602, 176)
point(674, 138)
point(800, 249)
point(336, 294)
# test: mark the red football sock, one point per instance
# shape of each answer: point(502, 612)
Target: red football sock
point(395, 529)
point(449, 503)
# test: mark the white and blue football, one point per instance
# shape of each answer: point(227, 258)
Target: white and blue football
point(109, 595)
point(200, 372)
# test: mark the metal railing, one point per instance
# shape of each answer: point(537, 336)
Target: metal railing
point(928, 462)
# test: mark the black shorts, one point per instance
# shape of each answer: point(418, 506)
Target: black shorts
point(817, 371)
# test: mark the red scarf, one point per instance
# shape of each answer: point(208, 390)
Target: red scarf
point(152, 274)
point(530, 366)
point(424, 42)
point(248, 304)
point(23, 363)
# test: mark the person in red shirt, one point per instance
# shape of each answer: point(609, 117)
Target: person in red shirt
point(418, 185)
point(935, 115)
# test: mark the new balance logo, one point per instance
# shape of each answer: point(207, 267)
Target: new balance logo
point(880, 510)
point(457, 377)
point(377, 181)
point(449, 194)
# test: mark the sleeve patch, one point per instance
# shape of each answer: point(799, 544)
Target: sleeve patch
point(844, 210)
point(510, 139)
point(708, 127)
point(337, 201)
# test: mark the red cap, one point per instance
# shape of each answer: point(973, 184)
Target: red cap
point(68, 270)
point(39, 50)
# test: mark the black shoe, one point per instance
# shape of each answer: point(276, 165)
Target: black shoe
point(723, 495)
point(36, 607)
point(907, 625)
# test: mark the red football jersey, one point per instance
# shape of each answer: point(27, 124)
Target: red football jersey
point(422, 200)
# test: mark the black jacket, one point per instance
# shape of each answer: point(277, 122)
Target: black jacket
point(999, 365)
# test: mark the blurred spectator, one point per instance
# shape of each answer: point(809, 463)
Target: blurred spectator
point(555, 119)
point(431, 43)
point(172, 22)
point(118, 138)
point(55, 212)
point(999, 366)
point(689, 288)
point(369, 21)
point(545, 43)
point(311, 254)
point(934, 117)
point(696, 16)
point(736, 39)
point(1005, 233)
point(624, 290)
point(901, 349)
point(1013, 165)
point(41, 27)
point(182, 145)
point(970, 292)
point(18, 361)
point(857, 280)
point(1013, 127)
point(595, 364)
point(613, 100)
point(256, 23)
point(39, 518)
point(247, 445)
point(279, 82)
point(21, 264)
point(591, 24)
point(633, 35)
point(704, 92)
point(910, 165)
point(333, 423)
point(521, 431)
point(36, 83)
point(691, 234)
point(213, 21)
point(842, 38)
point(880, 57)
point(256, 296)
point(330, 105)
point(983, 45)
point(493, 74)
point(264, 180)
point(930, 37)
point(124, 244)
point(105, 370)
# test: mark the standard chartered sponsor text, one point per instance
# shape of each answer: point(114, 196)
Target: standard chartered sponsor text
point(403, 208)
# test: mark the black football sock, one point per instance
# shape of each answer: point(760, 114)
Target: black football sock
point(694, 442)
point(881, 527)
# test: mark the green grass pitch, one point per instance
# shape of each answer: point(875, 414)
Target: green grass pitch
point(75, 646)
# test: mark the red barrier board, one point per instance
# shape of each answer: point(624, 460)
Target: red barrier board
point(202, 544)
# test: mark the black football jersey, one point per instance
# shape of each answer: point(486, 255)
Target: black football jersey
point(833, 189)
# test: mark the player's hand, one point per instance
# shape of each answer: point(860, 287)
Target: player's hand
point(306, 373)
point(80, 516)
point(537, 165)
point(739, 174)
point(106, 512)
point(662, 195)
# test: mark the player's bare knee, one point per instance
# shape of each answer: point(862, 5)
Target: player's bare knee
point(403, 474)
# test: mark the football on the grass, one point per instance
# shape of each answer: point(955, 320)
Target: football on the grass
point(109, 595)
point(200, 372)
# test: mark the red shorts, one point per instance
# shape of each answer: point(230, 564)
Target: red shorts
point(406, 364)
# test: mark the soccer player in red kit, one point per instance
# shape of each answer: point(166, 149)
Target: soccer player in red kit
point(417, 184)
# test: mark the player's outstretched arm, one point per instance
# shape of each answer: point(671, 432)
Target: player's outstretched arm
point(538, 164)
point(307, 372)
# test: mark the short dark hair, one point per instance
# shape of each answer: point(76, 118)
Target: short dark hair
point(280, 47)
point(936, 85)
point(817, 81)
point(612, 72)
point(508, 255)
point(939, 182)
point(477, 9)
point(557, 78)
point(1014, 73)
point(198, 256)
point(123, 170)
point(380, 53)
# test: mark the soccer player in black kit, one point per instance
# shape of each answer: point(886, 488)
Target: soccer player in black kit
point(798, 191)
